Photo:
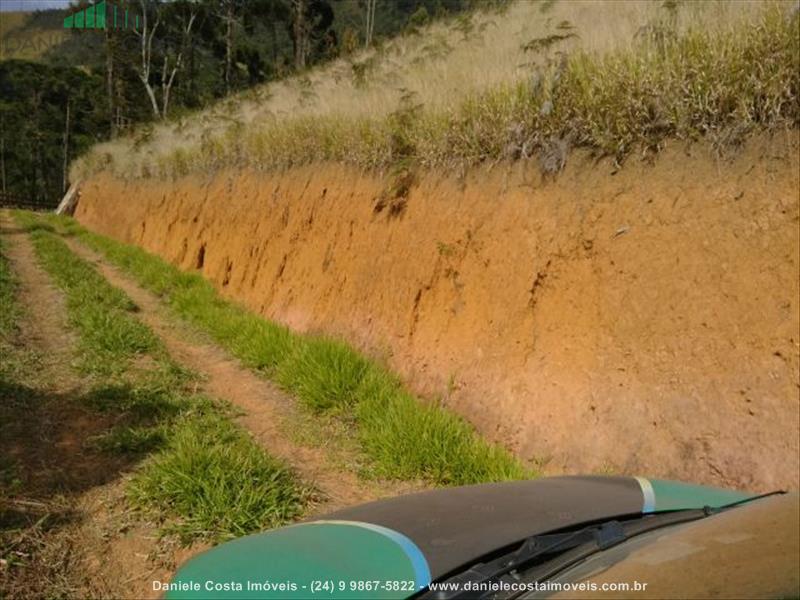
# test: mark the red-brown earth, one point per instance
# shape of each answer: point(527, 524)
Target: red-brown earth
point(637, 320)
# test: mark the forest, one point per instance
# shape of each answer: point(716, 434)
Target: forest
point(92, 85)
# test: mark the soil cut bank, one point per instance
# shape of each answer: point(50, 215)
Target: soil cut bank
point(642, 320)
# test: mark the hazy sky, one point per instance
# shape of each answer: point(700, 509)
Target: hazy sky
point(9, 5)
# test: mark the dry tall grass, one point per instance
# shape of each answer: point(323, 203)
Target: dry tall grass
point(477, 87)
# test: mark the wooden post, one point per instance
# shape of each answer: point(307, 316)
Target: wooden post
point(70, 200)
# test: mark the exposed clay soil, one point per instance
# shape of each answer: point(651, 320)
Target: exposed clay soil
point(636, 320)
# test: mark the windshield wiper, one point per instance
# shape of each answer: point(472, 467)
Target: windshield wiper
point(545, 553)
point(549, 568)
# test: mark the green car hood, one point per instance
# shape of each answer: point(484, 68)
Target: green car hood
point(394, 548)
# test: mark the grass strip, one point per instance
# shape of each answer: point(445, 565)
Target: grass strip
point(109, 333)
point(10, 365)
point(203, 475)
point(9, 309)
point(219, 482)
point(401, 436)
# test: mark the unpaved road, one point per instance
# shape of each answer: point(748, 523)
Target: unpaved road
point(101, 549)
point(267, 412)
point(67, 516)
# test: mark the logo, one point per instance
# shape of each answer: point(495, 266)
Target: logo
point(101, 16)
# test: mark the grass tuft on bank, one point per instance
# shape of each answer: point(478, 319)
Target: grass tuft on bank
point(200, 474)
point(323, 373)
point(402, 437)
point(407, 439)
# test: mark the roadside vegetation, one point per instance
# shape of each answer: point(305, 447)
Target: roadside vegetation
point(10, 366)
point(65, 89)
point(662, 70)
point(11, 310)
point(34, 559)
point(401, 436)
point(200, 474)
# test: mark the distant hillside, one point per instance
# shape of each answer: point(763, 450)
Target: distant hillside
point(29, 35)
point(64, 89)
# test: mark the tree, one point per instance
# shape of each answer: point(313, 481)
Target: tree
point(3, 154)
point(300, 33)
point(54, 114)
point(229, 17)
point(369, 29)
point(311, 30)
point(110, 93)
point(172, 58)
point(146, 35)
point(65, 165)
point(259, 48)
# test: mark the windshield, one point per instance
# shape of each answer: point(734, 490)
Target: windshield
point(737, 553)
point(543, 558)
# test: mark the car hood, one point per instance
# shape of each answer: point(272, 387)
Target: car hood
point(404, 543)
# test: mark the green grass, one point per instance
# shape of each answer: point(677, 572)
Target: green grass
point(322, 373)
point(401, 436)
point(147, 397)
point(125, 439)
point(408, 440)
point(202, 475)
point(212, 475)
point(109, 333)
point(9, 309)
point(10, 312)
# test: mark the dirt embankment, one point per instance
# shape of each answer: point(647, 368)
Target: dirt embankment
point(640, 320)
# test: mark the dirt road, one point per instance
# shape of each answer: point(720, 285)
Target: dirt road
point(75, 528)
point(267, 412)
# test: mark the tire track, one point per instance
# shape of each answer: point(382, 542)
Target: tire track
point(267, 410)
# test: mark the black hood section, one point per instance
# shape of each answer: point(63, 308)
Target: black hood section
point(456, 526)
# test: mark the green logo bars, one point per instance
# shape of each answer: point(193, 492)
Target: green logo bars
point(100, 16)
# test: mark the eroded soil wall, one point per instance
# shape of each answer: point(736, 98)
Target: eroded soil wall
point(641, 320)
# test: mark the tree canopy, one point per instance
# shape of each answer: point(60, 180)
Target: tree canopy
point(178, 56)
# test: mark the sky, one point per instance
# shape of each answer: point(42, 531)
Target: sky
point(31, 5)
